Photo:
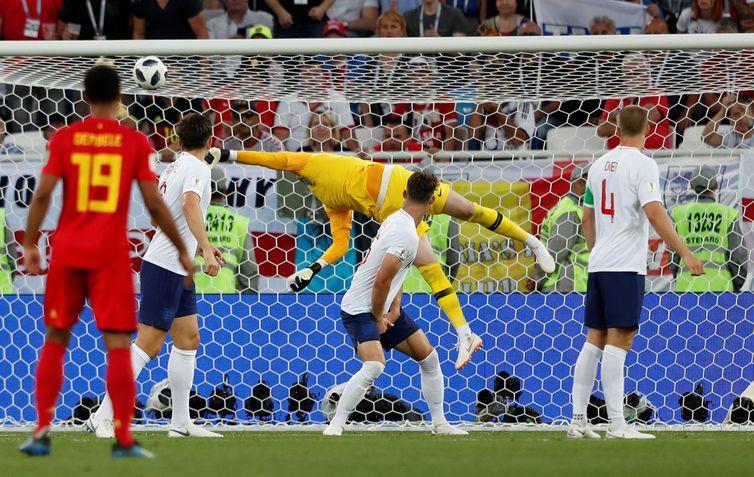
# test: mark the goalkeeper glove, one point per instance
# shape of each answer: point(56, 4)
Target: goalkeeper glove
point(216, 155)
point(301, 279)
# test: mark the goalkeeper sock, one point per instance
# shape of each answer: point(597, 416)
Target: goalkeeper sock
point(49, 380)
point(446, 297)
point(613, 361)
point(495, 221)
point(433, 387)
point(583, 378)
point(139, 359)
point(355, 390)
point(180, 377)
point(121, 387)
point(279, 161)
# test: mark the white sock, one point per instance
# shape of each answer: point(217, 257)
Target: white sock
point(583, 379)
point(433, 387)
point(464, 331)
point(180, 378)
point(355, 390)
point(139, 359)
point(613, 361)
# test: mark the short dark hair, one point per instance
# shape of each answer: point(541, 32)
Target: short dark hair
point(422, 186)
point(632, 121)
point(101, 84)
point(194, 130)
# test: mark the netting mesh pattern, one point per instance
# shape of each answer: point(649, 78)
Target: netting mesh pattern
point(408, 78)
point(506, 131)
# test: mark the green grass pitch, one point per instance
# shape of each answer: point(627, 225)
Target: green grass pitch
point(391, 454)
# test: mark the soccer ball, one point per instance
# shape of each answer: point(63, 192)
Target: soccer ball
point(150, 72)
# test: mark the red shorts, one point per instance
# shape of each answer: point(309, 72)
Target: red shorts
point(110, 292)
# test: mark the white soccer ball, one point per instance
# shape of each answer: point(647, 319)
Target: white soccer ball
point(150, 72)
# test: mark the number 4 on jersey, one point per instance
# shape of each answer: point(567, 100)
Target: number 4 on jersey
point(604, 208)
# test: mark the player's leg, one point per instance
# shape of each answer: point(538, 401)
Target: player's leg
point(624, 297)
point(417, 347)
point(463, 209)
point(64, 298)
point(447, 298)
point(181, 367)
point(585, 371)
point(373, 363)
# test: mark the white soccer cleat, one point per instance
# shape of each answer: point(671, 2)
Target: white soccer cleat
point(193, 431)
point(581, 430)
point(627, 432)
point(103, 429)
point(467, 347)
point(544, 259)
point(333, 430)
point(445, 429)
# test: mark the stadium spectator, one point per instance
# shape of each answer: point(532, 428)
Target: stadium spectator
point(230, 233)
point(169, 20)
point(435, 19)
point(400, 6)
point(712, 232)
point(671, 10)
point(738, 130)
point(236, 19)
point(636, 73)
point(380, 70)
point(294, 114)
point(470, 9)
point(562, 235)
point(324, 134)
point(29, 19)
point(602, 25)
point(248, 133)
point(359, 16)
point(656, 26)
point(529, 29)
point(743, 10)
point(335, 29)
point(432, 123)
point(701, 17)
point(726, 25)
point(506, 22)
point(299, 18)
point(83, 20)
point(503, 126)
point(396, 137)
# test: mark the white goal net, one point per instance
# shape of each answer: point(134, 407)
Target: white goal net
point(506, 122)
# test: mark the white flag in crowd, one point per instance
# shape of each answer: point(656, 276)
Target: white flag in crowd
point(572, 17)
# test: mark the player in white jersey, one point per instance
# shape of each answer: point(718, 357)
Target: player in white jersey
point(372, 315)
point(168, 303)
point(622, 198)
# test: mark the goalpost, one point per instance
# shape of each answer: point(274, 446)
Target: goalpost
point(505, 119)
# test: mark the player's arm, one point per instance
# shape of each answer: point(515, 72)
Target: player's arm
point(340, 226)
point(192, 212)
point(389, 268)
point(666, 230)
point(40, 203)
point(161, 218)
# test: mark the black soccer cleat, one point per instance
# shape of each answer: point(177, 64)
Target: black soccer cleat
point(134, 451)
point(36, 446)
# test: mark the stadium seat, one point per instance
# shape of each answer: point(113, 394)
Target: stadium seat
point(574, 138)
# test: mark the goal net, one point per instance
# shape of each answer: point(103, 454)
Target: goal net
point(506, 122)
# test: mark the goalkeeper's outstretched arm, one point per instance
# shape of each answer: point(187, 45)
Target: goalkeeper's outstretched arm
point(279, 161)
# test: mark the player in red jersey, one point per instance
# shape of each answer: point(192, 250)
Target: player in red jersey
point(97, 159)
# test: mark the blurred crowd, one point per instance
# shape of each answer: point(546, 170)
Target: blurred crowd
point(719, 120)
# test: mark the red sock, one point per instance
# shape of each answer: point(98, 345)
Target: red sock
point(120, 385)
point(49, 381)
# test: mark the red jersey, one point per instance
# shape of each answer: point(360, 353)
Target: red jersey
point(14, 19)
point(97, 160)
point(428, 121)
point(660, 132)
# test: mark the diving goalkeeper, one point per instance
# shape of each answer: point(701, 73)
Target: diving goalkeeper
point(346, 184)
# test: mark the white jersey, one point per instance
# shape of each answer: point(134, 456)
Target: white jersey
point(397, 236)
point(186, 174)
point(620, 183)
